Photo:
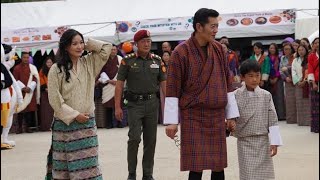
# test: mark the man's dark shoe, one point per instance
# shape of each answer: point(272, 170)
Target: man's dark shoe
point(147, 178)
point(132, 176)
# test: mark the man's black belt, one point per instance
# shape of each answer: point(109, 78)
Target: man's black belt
point(140, 97)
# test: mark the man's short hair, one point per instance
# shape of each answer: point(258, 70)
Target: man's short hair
point(202, 15)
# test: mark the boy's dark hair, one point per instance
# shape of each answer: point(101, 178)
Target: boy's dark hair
point(202, 15)
point(249, 66)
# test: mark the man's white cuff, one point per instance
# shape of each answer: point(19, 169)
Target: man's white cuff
point(32, 85)
point(103, 78)
point(231, 110)
point(310, 77)
point(20, 84)
point(171, 110)
point(274, 136)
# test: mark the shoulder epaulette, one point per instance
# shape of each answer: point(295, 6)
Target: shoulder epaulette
point(154, 56)
point(129, 56)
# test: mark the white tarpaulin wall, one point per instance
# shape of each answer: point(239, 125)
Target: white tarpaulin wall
point(305, 27)
point(81, 14)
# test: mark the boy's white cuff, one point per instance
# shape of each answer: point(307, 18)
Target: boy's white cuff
point(274, 136)
point(231, 110)
point(171, 110)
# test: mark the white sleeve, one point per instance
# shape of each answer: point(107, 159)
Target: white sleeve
point(20, 84)
point(171, 110)
point(103, 78)
point(231, 110)
point(274, 136)
point(32, 85)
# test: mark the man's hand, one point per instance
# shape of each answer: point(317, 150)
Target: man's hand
point(97, 82)
point(231, 125)
point(26, 89)
point(119, 113)
point(82, 117)
point(273, 150)
point(171, 130)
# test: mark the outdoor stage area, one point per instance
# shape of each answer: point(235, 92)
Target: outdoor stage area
point(298, 159)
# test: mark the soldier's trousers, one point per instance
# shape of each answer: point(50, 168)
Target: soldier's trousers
point(142, 118)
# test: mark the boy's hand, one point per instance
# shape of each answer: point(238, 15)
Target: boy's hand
point(273, 150)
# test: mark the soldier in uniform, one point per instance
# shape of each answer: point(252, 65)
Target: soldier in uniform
point(145, 74)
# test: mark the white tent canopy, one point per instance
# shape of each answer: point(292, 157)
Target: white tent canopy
point(306, 26)
point(95, 18)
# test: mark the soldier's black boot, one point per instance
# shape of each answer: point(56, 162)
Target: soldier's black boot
point(132, 176)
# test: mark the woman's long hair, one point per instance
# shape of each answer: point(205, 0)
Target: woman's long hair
point(305, 57)
point(45, 69)
point(63, 58)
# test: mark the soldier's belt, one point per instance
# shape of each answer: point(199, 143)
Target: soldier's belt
point(140, 97)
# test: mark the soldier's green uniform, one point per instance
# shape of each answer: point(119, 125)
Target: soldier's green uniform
point(143, 78)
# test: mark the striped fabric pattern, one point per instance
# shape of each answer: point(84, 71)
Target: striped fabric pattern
point(74, 151)
point(303, 108)
point(291, 107)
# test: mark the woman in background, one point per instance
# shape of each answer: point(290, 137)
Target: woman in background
point(313, 78)
point(264, 62)
point(46, 111)
point(299, 79)
point(289, 89)
point(276, 83)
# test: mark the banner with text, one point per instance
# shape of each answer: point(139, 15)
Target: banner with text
point(226, 21)
point(32, 35)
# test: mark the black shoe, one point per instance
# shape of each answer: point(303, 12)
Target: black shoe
point(147, 178)
point(29, 130)
point(132, 176)
point(119, 126)
point(109, 127)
